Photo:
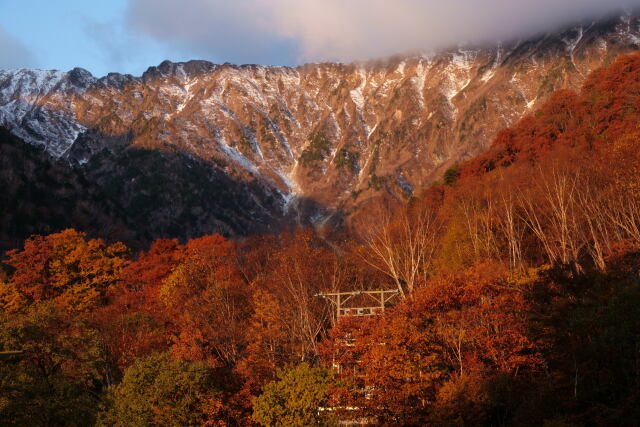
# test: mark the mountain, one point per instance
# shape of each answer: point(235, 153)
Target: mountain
point(131, 195)
point(40, 197)
point(195, 147)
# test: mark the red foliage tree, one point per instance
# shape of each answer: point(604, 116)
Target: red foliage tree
point(67, 268)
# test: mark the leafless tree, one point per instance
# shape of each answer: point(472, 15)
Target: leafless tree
point(512, 228)
point(551, 212)
point(597, 227)
point(624, 214)
point(403, 246)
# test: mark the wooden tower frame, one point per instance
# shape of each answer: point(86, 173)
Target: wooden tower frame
point(379, 300)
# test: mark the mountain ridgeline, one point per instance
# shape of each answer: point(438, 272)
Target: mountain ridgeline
point(196, 148)
point(515, 299)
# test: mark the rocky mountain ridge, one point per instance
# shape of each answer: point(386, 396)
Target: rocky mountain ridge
point(314, 143)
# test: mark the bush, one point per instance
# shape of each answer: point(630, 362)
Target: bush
point(451, 175)
point(158, 391)
point(318, 149)
point(295, 399)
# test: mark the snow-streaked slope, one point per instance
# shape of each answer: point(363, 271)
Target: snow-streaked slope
point(383, 126)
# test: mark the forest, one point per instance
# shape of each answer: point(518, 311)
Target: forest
point(518, 303)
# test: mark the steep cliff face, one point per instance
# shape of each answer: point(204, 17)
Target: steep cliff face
point(316, 142)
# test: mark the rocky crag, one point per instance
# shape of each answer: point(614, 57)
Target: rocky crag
point(192, 148)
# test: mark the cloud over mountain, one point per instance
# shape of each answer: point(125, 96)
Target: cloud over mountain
point(289, 31)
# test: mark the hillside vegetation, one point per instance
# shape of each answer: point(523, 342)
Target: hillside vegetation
point(519, 301)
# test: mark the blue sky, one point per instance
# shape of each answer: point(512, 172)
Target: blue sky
point(63, 34)
point(130, 35)
point(115, 36)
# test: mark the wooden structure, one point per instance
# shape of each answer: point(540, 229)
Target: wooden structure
point(360, 303)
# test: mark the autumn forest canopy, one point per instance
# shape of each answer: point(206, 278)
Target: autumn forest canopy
point(518, 280)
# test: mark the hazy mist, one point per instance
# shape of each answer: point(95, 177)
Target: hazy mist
point(292, 31)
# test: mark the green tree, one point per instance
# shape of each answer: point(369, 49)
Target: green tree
point(159, 391)
point(451, 175)
point(51, 370)
point(295, 399)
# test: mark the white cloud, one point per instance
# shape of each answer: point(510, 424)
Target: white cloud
point(13, 53)
point(296, 30)
point(233, 30)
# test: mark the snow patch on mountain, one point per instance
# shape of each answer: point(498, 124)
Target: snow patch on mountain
point(357, 94)
point(419, 81)
point(388, 116)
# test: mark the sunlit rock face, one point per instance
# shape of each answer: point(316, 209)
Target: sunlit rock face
point(312, 144)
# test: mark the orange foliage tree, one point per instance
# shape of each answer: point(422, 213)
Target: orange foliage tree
point(289, 319)
point(65, 267)
point(133, 323)
point(456, 329)
point(208, 303)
